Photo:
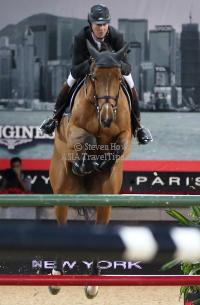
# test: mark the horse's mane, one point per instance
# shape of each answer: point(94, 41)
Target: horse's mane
point(106, 47)
point(106, 57)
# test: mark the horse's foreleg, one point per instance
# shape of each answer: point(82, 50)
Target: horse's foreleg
point(123, 144)
point(118, 150)
point(83, 143)
point(77, 135)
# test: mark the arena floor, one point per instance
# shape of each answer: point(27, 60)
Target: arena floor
point(75, 295)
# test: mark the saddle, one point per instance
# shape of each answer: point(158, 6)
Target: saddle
point(76, 87)
point(72, 94)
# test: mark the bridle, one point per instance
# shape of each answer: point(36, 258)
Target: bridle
point(107, 97)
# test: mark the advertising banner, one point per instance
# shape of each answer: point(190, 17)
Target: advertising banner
point(35, 60)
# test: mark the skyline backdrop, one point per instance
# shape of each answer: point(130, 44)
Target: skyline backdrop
point(161, 60)
point(158, 12)
point(48, 66)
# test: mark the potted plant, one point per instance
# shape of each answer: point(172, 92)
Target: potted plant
point(191, 293)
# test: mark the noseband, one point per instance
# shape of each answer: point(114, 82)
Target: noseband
point(97, 97)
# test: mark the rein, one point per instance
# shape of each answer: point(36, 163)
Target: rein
point(97, 98)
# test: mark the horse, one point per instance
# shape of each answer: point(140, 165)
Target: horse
point(90, 147)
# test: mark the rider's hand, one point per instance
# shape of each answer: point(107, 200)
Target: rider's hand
point(90, 60)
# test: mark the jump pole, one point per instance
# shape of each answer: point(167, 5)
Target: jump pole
point(30, 240)
point(137, 201)
point(90, 280)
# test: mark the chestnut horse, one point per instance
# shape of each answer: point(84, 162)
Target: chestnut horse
point(89, 149)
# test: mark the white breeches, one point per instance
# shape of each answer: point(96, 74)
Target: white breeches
point(128, 78)
point(70, 80)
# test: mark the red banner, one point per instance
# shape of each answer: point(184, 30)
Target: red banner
point(129, 165)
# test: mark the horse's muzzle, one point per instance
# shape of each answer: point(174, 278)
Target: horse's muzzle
point(106, 123)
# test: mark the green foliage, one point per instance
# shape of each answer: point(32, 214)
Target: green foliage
point(195, 212)
point(190, 269)
point(187, 268)
point(182, 220)
point(170, 265)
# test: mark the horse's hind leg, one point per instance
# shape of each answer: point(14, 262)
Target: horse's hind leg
point(102, 217)
point(63, 181)
point(102, 183)
point(92, 291)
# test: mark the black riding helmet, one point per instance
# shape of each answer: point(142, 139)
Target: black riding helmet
point(99, 14)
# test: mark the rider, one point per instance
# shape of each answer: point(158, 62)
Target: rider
point(100, 34)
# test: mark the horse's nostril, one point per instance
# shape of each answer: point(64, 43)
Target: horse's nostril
point(106, 122)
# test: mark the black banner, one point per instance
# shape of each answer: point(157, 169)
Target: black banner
point(138, 182)
point(82, 267)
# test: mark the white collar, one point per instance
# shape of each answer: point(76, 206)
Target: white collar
point(97, 42)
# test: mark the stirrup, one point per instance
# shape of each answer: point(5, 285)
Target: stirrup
point(143, 128)
point(46, 121)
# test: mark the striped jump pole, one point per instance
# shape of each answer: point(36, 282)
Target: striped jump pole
point(19, 240)
point(141, 201)
point(90, 280)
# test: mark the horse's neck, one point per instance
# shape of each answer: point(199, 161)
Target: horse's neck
point(90, 90)
point(83, 107)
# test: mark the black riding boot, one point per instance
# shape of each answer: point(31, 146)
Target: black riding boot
point(50, 124)
point(137, 130)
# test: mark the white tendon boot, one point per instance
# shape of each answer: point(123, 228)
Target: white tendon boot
point(55, 289)
point(91, 291)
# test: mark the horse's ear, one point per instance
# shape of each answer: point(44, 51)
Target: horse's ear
point(121, 53)
point(93, 52)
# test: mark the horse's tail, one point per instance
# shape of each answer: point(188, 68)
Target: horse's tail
point(87, 212)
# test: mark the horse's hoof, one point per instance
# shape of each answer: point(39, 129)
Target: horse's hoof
point(97, 166)
point(76, 169)
point(106, 166)
point(82, 168)
point(87, 167)
point(55, 289)
point(91, 291)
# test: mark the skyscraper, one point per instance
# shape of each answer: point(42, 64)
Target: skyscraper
point(190, 63)
point(4, 41)
point(178, 61)
point(163, 50)
point(58, 72)
point(134, 58)
point(28, 67)
point(66, 29)
point(135, 30)
point(5, 72)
